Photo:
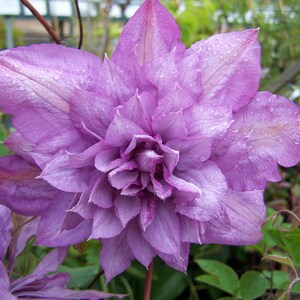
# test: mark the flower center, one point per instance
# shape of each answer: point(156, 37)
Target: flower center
point(143, 167)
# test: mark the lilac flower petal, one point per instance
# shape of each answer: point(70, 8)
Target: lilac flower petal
point(49, 231)
point(118, 85)
point(231, 71)
point(85, 158)
point(163, 72)
point(176, 100)
point(121, 131)
point(102, 193)
point(4, 279)
point(163, 234)
point(124, 175)
point(170, 126)
point(178, 261)
point(105, 224)
point(60, 174)
point(171, 157)
point(191, 230)
point(44, 130)
point(18, 187)
point(50, 262)
point(148, 160)
point(246, 213)
point(4, 293)
point(83, 208)
point(115, 256)
point(134, 110)
point(33, 87)
point(149, 34)
point(41, 283)
point(20, 146)
point(57, 293)
point(6, 226)
point(148, 210)
point(20, 238)
point(162, 189)
point(93, 110)
point(140, 248)
point(193, 152)
point(126, 208)
point(206, 121)
point(213, 197)
point(4, 284)
point(190, 74)
point(107, 159)
point(269, 131)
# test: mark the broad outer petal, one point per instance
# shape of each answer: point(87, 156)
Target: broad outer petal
point(56, 292)
point(60, 174)
point(4, 284)
point(140, 248)
point(5, 230)
point(246, 213)
point(37, 87)
point(50, 262)
point(106, 224)
point(170, 126)
point(115, 256)
point(20, 190)
point(90, 111)
point(178, 261)
point(267, 132)
point(163, 234)
point(149, 34)
point(230, 64)
point(50, 231)
point(126, 208)
point(212, 201)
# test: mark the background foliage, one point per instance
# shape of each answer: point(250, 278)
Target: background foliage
point(268, 270)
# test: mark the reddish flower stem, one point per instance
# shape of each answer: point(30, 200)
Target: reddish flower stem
point(80, 24)
point(43, 21)
point(148, 283)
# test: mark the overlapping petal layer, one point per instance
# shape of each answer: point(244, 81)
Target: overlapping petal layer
point(159, 148)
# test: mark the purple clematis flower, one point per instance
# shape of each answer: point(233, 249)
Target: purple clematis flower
point(157, 148)
point(38, 284)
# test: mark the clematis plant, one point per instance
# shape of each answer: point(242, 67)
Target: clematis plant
point(38, 284)
point(153, 150)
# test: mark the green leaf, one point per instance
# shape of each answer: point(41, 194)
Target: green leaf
point(252, 285)
point(169, 289)
point(280, 259)
point(226, 298)
point(80, 277)
point(280, 279)
point(211, 280)
point(26, 262)
point(223, 277)
point(277, 236)
point(292, 242)
point(296, 288)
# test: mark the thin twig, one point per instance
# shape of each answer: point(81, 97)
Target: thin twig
point(100, 273)
point(80, 24)
point(43, 21)
point(148, 283)
point(23, 224)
